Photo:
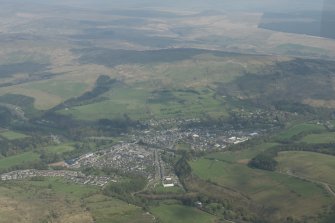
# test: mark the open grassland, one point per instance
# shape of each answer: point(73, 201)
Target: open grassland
point(48, 93)
point(60, 186)
point(43, 100)
point(59, 149)
point(120, 100)
point(199, 71)
point(242, 156)
point(165, 190)
point(139, 102)
point(181, 214)
point(62, 88)
point(284, 195)
point(54, 200)
point(105, 210)
point(326, 137)
point(20, 159)
point(27, 203)
point(300, 129)
point(315, 166)
point(11, 135)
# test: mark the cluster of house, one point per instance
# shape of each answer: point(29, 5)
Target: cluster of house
point(74, 176)
point(125, 157)
point(198, 139)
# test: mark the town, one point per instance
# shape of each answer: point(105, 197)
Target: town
point(141, 154)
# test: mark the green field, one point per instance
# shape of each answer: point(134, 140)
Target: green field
point(60, 186)
point(143, 103)
point(299, 129)
point(326, 137)
point(285, 195)
point(181, 214)
point(242, 156)
point(61, 88)
point(103, 209)
point(59, 149)
point(203, 69)
point(20, 159)
point(316, 166)
point(165, 190)
point(10, 135)
point(111, 210)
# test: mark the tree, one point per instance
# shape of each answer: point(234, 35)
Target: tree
point(182, 168)
point(263, 161)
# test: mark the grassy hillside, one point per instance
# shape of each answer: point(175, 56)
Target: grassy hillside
point(181, 214)
point(299, 129)
point(144, 103)
point(283, 195)
point(315, 166)
point(53, 200)
point(326, 137)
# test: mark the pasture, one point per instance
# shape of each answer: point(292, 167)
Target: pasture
point(53, 199)
point(181, 214)
point(240, 156)
point(59, 149)
point(20, 159)
point(24, 203)
point(295, 130)
point(315, 166)
point(11, 135)
point(105, 209)
point(326, 137)
point(142, 103)
point(62, 88)
point(286, 195)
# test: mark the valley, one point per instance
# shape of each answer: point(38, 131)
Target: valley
point(163, 114)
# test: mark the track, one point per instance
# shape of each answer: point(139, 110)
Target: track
point(327, 186)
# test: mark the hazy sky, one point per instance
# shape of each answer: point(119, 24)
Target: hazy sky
point(222, 5)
